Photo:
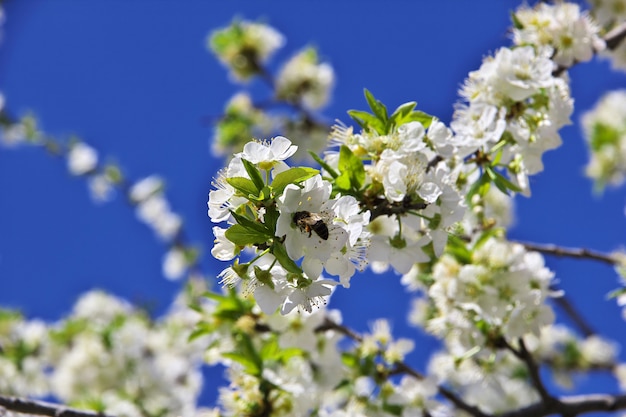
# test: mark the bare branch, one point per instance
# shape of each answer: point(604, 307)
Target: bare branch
point(615, 36)
point(581, 253)
point(578, 319)
point(572, 406)
point(402, 367)
point(21, 405)
point(533, 369)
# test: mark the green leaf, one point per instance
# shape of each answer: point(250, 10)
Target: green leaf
point(517, 24)
point(243, 236)
point(254, 173)
point(458, 248)
point(271, 217)
point(603, 135)
point(249, 365)
point(403, 110)
point(201, 329)
point(279, 251)
point(368, 121)
point(480, 187)
point(244, 185)
point(616, 293)
point(323, 164)
point(270, 350)
point(229, 307)
point(292, 176)
point(419, 116)
point(486, 235)
point(251, 224)
point(501, 181)
point(377, 107)
point(245, 345)
point(352, 170)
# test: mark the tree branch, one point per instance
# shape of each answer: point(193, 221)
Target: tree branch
point(615, 36)
point(578, 319)
point(572, 406)
point(581, 253)
point(533, 369)
point(404, 368)
point(43, 408)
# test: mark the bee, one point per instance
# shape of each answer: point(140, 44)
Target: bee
point(311, 222)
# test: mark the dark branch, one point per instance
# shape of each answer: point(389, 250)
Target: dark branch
point(572, 406)
point(533, 369)
point(43, 408)
point(581, 253)
point(575, 315)
point(402, 367)
point(615, 36)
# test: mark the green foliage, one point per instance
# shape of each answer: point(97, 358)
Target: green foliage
point(254, 173)
point(383, 124)
point(603, 135)
point(242, 236)
point(352, 172)
point(280, 252)
point(295, 175)
point(245, 186)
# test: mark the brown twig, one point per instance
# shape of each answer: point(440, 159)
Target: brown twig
point(572, 406)
point(581, 253)
point(402, 367)
point(21, 405)
point(578, 319)
point(533, 370)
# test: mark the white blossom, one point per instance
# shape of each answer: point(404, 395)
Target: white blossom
point(81, 159)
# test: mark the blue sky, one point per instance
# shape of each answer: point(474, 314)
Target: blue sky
point(134, 80)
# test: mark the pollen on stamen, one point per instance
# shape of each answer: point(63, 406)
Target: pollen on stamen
point(228, 278)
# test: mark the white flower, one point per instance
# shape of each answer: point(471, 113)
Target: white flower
point(224, 249)
point(223, 199)
point(146, 188)
point(604, 128)
point(174, 264)
point(441, 138)
point(517, 73)
point(101, 188)
point(155, 211)
point(479, 125)
point(598, 351)
point(388, 247)
point(268, 155)
point(314, 295)
point(99, 307)
point(571, 34)
point(81, 159)
point(313, 197)
point(304, 79)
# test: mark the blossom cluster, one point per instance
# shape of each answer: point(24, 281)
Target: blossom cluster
point(284, 215)
point(500, 292)
point(410, 186)
point(302, 82)
point(514, 107)
point(303, 79)
point(244, 45)
point(609, 14)
point(569, 34)
point(604, 127)
point(105, 355)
